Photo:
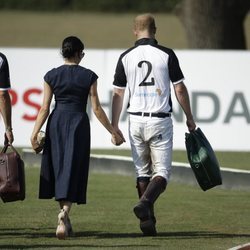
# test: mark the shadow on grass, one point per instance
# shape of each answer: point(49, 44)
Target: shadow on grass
point(26, 232)
point(38, 233)
point(160, 235)
point(33, 233)
point(199, 234)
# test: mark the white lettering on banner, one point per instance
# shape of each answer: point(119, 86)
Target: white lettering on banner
point(219, 95)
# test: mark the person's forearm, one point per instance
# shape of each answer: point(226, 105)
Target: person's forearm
point(5, 106)
point(116, 109)
point(183, 99)
point(102, 117)
point(40, 120)
point(185, 104)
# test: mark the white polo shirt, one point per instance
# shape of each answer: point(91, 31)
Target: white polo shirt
point(146, 70)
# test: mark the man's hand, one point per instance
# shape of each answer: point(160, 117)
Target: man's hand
point(117, 138)
point(8, 137)
point(191, 125)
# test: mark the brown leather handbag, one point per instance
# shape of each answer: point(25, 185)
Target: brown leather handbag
point(12, 175)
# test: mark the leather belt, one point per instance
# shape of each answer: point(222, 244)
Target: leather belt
point(159, 115)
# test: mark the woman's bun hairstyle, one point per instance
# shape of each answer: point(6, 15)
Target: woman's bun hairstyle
point(71, 45)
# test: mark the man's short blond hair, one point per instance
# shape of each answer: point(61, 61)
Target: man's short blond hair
point(145, 22)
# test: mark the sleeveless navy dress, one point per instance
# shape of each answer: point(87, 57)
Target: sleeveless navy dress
point(65, 159)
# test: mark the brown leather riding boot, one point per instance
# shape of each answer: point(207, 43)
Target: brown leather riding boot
point(154, 189)
point(144, 209)
point(141, 185)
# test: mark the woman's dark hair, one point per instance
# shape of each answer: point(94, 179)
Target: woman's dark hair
point(71, 45)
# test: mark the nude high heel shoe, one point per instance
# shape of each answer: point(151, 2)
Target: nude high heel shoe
point(61, 231)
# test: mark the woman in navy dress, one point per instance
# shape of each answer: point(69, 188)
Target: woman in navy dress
point(66, 153)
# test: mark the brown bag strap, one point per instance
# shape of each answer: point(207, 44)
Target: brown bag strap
point(4, 149)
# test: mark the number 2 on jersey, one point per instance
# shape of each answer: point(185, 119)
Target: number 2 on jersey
point(145, 81)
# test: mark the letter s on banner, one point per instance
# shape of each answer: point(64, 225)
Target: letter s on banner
point(27, 99)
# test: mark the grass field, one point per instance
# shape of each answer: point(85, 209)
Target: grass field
point(237, 160)
point(43, 29)
point(188, 218)
point(98, 30)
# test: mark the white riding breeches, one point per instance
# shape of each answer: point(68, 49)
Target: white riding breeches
point(151, 140)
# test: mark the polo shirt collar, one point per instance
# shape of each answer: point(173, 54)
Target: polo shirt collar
point(146, 41)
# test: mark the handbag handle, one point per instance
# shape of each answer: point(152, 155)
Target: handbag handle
point(4, 149)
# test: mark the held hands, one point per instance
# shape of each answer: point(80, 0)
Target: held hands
point(117, 138)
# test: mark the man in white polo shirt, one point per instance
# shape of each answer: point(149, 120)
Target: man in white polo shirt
point(146, 70)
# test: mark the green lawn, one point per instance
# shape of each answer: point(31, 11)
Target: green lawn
point(188, 218)
point(98, 30)
point(238, 160)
